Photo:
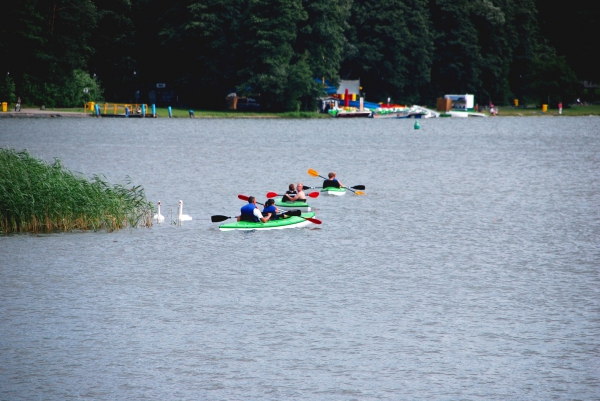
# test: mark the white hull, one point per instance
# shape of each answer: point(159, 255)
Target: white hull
point(303, 209)
point(297, 225)
point(334, 193)
point(465, 114)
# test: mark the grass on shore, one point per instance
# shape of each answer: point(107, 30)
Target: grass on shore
point(163, 112)
point(36, 196)
point(573, 111)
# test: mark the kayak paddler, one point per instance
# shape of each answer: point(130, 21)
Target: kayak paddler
point(332, 182)
point(290, 192)
point(270, 210)
point(251, 213)
point(300, 196)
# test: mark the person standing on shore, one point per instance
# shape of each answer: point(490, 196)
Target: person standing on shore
point(559, 107)
point(18, 105)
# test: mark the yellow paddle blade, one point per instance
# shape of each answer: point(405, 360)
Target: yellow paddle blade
point(312, 172)
point(359, 193)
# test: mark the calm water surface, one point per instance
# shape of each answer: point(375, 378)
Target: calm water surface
point(469, 271)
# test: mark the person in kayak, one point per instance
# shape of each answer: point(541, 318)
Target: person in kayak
point(300, 196)
point(332, 181)
point(270, 210)
point(251, 213)
point(290, 192)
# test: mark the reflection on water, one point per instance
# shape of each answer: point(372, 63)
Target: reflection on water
point(468, 271)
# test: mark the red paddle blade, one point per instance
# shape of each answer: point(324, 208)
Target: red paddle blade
point(243, 197)
point(314, 194)
point(272, 194)
point(313, 220)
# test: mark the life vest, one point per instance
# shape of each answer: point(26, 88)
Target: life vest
point(331, 183)
point(271, 209)
point(247, 213)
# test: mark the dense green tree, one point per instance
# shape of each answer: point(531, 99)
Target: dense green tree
point(7, 89)
point(278, 51)
point(23, 42)
point(321, 37)
point(457, 62)
point(205, 44)
point(114, 41)
point(266, 52)
point(572, 31)
point(390, 48)
point(45, 42)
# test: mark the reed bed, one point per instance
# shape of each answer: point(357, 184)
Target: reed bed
point(36, 196)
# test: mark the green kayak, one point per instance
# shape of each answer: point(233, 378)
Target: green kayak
point(293, 205)
point(290, 222)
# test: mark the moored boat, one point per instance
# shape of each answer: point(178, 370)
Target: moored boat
point(289, 222)
point(333, 191)
point(303, 206)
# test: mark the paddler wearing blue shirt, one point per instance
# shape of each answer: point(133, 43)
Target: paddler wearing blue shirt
point(250, 212)
point(270, 210)
point(332, 181)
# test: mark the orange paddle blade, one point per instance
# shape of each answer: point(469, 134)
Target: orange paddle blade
point(359, 193)
point(312, 172)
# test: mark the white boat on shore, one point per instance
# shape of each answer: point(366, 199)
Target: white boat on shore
point(404, 112)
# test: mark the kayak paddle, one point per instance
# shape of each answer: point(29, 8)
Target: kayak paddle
point(218, 218)
point(354, 187)
point(274, 194)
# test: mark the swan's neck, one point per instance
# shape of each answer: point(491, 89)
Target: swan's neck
point(179, 210)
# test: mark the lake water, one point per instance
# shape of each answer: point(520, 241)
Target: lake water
point(469, 271)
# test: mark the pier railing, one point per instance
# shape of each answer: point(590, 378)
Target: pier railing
point(116, 108)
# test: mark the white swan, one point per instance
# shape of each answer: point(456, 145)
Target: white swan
point(159, 217)
point(180, 215)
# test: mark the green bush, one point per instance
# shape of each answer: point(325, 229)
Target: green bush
point(7, 90)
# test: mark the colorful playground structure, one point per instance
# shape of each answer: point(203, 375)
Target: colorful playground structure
point(120, 110)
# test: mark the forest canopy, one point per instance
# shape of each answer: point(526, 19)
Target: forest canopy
point(195, 52)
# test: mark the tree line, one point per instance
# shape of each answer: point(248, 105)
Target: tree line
point(280, 51)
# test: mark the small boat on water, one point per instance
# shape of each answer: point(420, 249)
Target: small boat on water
point(303, 206)
point(403, 112)
point(334, 191)
point(289, 222)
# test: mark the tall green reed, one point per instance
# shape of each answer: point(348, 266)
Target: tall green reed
point(37, 196)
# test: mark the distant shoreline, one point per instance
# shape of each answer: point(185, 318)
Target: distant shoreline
point(506, 111)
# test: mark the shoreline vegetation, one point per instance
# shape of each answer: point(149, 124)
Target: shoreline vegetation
point(503, 111)
point(36, 196)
